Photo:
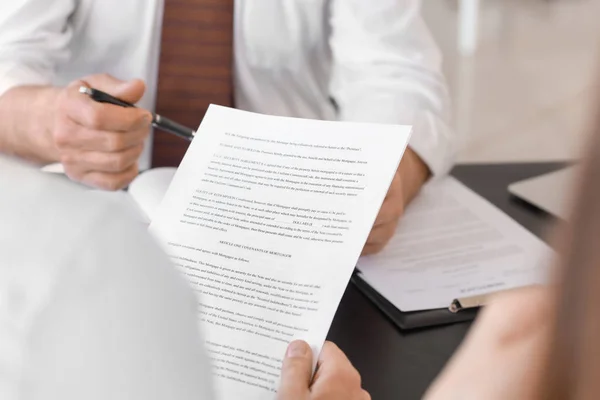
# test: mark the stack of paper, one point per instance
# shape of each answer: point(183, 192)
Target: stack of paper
point(452, 243)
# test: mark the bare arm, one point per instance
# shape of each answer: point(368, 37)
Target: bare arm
point(27, 118)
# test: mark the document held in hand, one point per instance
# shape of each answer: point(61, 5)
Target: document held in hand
point(267, 217)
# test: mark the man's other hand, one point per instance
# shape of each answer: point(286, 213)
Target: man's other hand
point(410, 177)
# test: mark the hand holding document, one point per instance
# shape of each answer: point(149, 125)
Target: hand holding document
point(266, 217)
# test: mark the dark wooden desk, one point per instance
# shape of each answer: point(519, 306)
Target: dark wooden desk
point(401, 365)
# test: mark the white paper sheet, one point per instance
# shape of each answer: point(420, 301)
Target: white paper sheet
point(452, 243)
point(149, 188)
point(143, 196)
point(267, 217)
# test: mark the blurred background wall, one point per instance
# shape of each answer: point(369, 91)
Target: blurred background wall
point(523, 92)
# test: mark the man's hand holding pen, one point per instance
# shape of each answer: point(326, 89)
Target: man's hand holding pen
point(99, 144)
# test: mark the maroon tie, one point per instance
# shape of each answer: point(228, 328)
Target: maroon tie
point(195, 70)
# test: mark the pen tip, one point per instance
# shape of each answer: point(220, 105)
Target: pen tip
point(85, 90)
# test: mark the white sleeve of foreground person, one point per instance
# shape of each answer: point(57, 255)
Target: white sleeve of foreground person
point(90, 308)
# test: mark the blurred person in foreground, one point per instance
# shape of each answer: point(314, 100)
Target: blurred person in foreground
point(542, 343)
point(90, 308)
point(347, 60)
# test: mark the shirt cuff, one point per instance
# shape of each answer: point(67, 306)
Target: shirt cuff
point(13, 75)
point(432, 139)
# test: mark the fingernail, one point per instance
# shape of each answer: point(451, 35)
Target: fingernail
point(297, 349)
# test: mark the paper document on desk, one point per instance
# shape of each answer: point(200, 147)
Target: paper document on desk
point(452, 243)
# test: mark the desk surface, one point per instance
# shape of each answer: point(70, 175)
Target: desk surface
point(396, 364)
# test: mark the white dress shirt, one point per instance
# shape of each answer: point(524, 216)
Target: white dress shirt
point(376, 58)
point(90, 308)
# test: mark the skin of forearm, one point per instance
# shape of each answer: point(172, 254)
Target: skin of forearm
point(414, 173)
point(26, 121)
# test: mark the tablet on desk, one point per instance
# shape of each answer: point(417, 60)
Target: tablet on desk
point(549, 192)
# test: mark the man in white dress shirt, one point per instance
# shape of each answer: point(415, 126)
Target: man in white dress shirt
point(350, 60)
point(91, 308)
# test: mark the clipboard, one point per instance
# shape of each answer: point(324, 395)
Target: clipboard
point(414, 319)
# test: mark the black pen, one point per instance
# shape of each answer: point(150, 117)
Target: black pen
point(158, 121)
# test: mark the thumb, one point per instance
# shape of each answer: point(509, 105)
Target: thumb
point(296, 372)
point(129, 91)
